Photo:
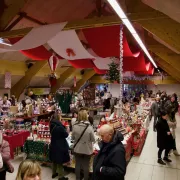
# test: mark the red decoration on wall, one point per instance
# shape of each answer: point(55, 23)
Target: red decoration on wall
point(70, 52)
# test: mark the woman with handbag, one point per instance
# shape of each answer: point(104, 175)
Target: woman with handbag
point(83, 136)
point(59, 148)
point(5, 153)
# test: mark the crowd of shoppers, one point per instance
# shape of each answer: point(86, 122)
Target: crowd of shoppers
point(164, 111)
point(110, 162)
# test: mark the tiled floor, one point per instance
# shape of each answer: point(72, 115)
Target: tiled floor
point(144, 167)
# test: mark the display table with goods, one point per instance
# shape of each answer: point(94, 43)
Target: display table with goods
point(15, 132)
point(37, 145)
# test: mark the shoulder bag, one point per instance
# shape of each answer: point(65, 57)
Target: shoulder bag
point(80, 137)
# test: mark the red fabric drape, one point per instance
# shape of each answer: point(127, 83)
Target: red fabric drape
point(38, 53)
point(82, 63)
point(134, 63)
point(147, 72)
point(99, 71)
point(105, 41)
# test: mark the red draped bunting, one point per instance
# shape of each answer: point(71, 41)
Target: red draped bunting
point(99, 71)
point(150, 71)
point(105, 41)
point(134, 64)
point(82, 63)
point(38, 53)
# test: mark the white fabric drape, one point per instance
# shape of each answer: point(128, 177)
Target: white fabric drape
point(65, 40)
point(36, 37)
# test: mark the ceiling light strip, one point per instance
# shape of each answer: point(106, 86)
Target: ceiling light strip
point(117, 8)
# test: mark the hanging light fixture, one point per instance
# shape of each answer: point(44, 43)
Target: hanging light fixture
point(3, 42)
point(117, 8)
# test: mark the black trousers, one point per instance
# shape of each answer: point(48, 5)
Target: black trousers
point(155, 121)
point(174, 144)
point(165, 154)
point(3, 175)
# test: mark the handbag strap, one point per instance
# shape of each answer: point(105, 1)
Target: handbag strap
point(81, 135)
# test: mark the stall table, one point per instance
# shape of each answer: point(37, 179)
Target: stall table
point(16, 140)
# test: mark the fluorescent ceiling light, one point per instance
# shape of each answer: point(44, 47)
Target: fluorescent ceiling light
point(117, 8)
point(2, 42)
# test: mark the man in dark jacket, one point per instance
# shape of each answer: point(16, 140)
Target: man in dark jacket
point(110, 162)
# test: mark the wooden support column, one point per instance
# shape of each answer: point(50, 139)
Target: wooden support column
point(87, 75)
point(66, 74)
point(10, 12)
point(19, 87)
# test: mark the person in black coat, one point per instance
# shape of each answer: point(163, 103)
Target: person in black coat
point(110, 162)
point(164, 138)
point(59, 148)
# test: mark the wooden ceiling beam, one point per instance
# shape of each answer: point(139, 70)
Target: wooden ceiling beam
point(24, 82)
point(10, 12)
point(166, 29)
point(169, 69)
point(87, 75)
point(168, 56)
point(93, 22)
point(65, 75)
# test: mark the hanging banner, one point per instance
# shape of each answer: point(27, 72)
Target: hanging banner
point(75, 80)
point(7, 80)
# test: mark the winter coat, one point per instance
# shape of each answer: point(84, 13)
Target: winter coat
point(111, 158)
point(59, 148)
point(5, 153)
point(164, 141)
point(85, 144)
point(1, 161)
point(155, 109)
point(171, 108)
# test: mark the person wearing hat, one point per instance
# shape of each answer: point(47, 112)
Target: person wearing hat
point(155, 111)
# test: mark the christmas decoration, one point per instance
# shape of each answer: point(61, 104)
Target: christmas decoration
point(7, 80)
point(75, 81)
point(113, 72)
point(52, 79)
point(70, 52)
point(53, 63)
point(121, 70)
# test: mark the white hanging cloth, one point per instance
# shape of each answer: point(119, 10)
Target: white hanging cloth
point(68, 46)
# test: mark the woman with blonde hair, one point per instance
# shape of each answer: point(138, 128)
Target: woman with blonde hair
point(29, 170)
point(83, 136)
